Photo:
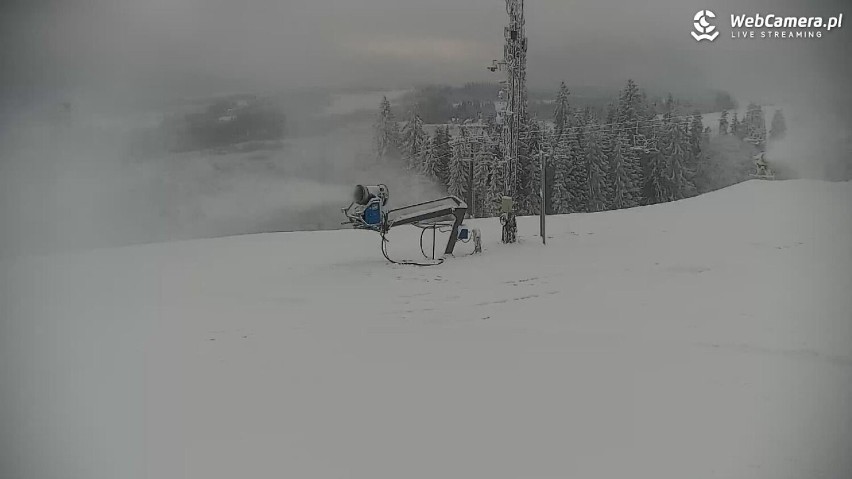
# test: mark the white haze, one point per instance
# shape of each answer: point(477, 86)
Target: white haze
point(82, 185)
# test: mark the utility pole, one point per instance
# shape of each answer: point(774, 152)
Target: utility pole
point(468, 157)
point(543, 187)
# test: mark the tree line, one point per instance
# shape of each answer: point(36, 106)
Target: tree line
point(626, 155)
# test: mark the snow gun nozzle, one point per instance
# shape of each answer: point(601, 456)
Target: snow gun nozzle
point(363, 194)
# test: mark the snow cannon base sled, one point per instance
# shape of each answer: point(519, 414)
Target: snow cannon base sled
point(368, 211)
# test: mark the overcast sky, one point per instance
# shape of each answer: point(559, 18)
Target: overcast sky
point(175, 46)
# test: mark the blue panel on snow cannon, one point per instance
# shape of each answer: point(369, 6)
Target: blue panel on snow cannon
point(373, 213)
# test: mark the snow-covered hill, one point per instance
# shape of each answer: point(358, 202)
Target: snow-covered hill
point(706, 338)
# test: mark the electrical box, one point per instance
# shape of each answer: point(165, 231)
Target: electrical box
point(464, 233)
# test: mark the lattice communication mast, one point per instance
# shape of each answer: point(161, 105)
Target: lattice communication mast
point(512, 107)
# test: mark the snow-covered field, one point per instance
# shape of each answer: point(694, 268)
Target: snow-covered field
point(708, 338)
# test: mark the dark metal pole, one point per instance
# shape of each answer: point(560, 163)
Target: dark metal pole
point(543, 187)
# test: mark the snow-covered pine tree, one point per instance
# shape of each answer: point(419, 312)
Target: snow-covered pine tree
point(723, 123)
point(560, 195)
point(611, 113)
point(562, 112)
point(624, 173)
point(598, 174)
point(696, 133)
point(669, 108)
point(529, 170)
point(482, 169)
point(578, 175)
point(737, 128)
point(755, 121)
point(444, 151)
point(491, 127)
point(629, 104)
point(562, 120)
point(430, 164)
point(779, 126)
point(698, 139)
point(497, 179)
point(677, 177)
point(579, 127)
point(651, 161)
point(386, 131)
point(656, 186)
point(458, 168)
point(413, 141)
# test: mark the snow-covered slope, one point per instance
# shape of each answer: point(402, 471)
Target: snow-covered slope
point(706, 338)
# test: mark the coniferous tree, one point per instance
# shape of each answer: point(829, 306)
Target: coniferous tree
point(678, 175)
point(483, 167)
point(625, 174)
point(491, 127)
point(580, 122)
point(562, 112)
point(755, 125)
point(429, 166)
point(669, 108)
point(737, 128)
point(386, 131)
point(529, 171)
point(560, 195)
point(611, 114)
point(629, 105)
point(444, 150)
point(699, 137)
point(598, 174)
point(652, 163)
point(696, 133)
point(497, 178)
point(458, 168)
point(723, 123)
point(522, 185)
point(671, 176)
point(656, 186)
point(779, 126)
point(578, 175)
point(413, 141)
point(635, 115)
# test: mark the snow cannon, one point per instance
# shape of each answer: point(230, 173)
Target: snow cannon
point(369, 211)
point(372, 200)
point(363, 194)
point(762, 168)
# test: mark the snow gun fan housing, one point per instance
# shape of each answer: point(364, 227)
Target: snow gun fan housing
point(369, 211)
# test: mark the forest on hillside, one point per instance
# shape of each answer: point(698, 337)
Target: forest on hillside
point(632, 151)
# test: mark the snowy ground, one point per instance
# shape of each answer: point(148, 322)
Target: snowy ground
point(709, 338)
